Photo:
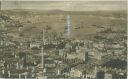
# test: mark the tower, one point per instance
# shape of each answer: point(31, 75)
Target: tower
point(42, 49)
point(86, 57)
point(42, 60)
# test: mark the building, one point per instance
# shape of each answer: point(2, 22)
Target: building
point(75, 73)
point(108, 76)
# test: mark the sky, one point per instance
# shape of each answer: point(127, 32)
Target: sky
point(65, 5)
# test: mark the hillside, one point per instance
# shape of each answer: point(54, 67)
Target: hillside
point(83, 23)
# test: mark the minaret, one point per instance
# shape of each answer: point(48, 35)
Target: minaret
point(95, 71)
point(68, 27)
point(42, 49)
point(86, 57)
point(42, 60)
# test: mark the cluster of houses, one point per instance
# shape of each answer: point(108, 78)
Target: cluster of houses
point(60, 57)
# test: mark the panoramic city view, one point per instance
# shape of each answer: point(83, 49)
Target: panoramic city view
point(63, 40)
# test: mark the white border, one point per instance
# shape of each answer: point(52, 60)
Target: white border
point(63, 0)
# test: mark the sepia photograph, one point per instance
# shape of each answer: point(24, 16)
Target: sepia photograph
point(60, 39)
